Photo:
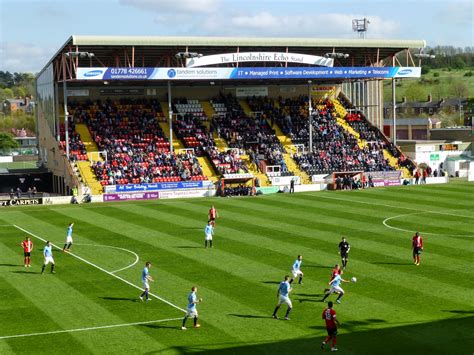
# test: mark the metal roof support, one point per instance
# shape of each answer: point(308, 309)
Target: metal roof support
point(133, 56)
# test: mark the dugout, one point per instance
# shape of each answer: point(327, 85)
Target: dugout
point(241, 184)
point(348, 180)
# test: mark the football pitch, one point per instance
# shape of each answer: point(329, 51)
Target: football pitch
point(91, 304)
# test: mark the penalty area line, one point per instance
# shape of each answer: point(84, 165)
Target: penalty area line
point(102, 269)
point(87, 329)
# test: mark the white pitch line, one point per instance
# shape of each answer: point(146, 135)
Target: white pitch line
point(103, 270)
point(118, 248)
point(391, 206)
point(87, 329)
point(384, 222)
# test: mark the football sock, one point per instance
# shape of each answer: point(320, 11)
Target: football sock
point(327, 339)
point(334, 341)
point(340, 296)
point(205, 244)
point(276, 310)
point(146, 294)
point(25, 261)
point(325, 296)
point(143, 294)
point(291, 281)
point(210, 243)
point(288, 312)
point(300, 280)
point(42, 269)
point(52, 267)
point(195, 321)
point(184, 320)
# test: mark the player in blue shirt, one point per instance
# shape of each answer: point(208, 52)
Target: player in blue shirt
point(192, 309)
point(335, 288)
point(48, 257)
point(296, 271)
point(145, 279)
point(68, 243)
point(283, 296)
point(208, 232)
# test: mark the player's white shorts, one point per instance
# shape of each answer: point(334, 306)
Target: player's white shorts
point(146, 284)
point(208, 236)
point(192, 313)
point(296, 273)
point(286, 300)
point(68, 239)
point(48, 259)
point(335, 289)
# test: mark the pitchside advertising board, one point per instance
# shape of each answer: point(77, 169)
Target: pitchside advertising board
point(21, 202)
point(385, 178)
point(107, 73)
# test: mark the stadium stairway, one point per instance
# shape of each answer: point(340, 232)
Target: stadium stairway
point(209, 111)
point(341, 113)
point(177, 144)
point(290, 149)
point(89, 143)
point(89, 178)
point(245, 106)
point(85, 166)
point(253, 170)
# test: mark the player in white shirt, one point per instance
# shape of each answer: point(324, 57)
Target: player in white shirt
point(145, 279)
point(296, 270)
point(208, 233)
point(191, 310)
point(68, 243)
point(283, 295)
point(48, 257)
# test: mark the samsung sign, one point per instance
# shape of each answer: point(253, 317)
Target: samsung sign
point(247, 73)
point(259, 57)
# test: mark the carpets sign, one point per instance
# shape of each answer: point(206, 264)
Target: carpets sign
point(22, 202)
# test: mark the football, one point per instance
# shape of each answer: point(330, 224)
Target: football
point(354, 279)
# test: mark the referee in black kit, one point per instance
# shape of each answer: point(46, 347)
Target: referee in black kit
point(344, 248)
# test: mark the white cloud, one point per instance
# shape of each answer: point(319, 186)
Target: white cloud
point(24, 57)
point(173, 6)
point(331, 25)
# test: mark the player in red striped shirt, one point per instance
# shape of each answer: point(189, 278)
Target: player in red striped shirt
point(417, 245)
point(212, 215)
point(329, 316)
point(27, 246)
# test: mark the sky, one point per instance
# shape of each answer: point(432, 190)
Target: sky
point(31, 31)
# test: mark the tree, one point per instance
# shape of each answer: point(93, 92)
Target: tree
point(7, 141)
point(415, 92)
point(19, 91)
point(8, 93)
point(459, 89)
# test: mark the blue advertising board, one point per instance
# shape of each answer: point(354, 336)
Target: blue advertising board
point(157, 186)
point(107, 73)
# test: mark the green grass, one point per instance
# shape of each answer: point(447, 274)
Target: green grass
point(394, 308)
point(439, 86)
point(19, 165)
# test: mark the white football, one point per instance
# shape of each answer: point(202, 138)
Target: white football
point(354, 279)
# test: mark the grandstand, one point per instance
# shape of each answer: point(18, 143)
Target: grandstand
point(108, 117)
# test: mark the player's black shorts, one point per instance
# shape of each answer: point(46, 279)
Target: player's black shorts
point(416, 251)
point(332, 331)
point(212, 219)
point(344, 255)
point(26, 254)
